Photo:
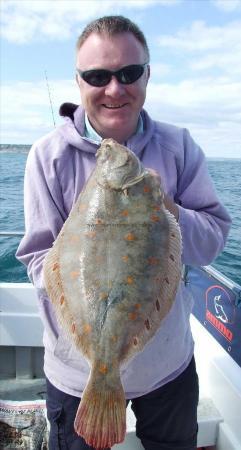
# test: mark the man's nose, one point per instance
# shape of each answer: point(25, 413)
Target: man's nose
point(114, 87)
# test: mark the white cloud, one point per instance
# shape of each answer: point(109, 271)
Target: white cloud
point(207, 47)
point(210, 109)
point(227, 5)
point(206, 99)
point(229, 62)
point(201, 100)
point(160, 70)
point(26, 20)
point(29, 103)
point(200, 37)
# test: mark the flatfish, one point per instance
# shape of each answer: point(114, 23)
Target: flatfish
point(112, 276)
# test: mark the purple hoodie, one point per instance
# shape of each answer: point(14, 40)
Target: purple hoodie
point(57, 167)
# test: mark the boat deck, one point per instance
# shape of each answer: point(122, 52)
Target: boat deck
point(33, 390)
point(21, 375)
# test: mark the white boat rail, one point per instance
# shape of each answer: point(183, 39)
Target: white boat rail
point(11, 233)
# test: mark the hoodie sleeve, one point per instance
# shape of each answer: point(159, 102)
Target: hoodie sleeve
point(44, 212)
point(203, 220)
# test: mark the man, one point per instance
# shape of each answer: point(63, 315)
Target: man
point(112, 74)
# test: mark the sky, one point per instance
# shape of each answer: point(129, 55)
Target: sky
point(195, 48)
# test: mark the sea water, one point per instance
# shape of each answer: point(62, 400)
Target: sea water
point(225, 174)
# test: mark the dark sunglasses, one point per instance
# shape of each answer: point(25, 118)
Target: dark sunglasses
point(102, 77)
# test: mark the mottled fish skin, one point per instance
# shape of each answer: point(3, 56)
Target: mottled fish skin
point(112, 276)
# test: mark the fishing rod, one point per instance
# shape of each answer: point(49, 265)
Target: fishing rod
point(50, 100)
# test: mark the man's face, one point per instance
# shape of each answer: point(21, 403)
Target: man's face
point(113, 110)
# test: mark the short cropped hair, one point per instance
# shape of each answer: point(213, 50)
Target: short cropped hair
point(112, 25)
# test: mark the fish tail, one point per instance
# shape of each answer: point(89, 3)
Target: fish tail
point(101, 416)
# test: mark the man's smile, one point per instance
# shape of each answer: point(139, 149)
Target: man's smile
point(110, 106)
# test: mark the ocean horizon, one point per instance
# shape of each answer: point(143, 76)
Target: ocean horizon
point(225, 174)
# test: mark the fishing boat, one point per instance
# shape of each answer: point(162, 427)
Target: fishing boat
point(216, 327)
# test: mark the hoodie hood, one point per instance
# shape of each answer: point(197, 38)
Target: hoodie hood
point(73, 130)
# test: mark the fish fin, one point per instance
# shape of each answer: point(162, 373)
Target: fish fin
point(101, 416)
point(51, 274)
point(59, 299)
point(55, 289)
point(167, 284)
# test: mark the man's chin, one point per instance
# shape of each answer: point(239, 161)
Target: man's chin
point(120, 132)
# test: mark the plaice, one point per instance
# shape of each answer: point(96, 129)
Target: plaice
point(112, 276)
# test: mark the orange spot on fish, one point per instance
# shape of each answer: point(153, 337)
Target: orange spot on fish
point(113, 338)
point(87, 328)
point(156, 208)
point(99, 259)
point(74, 274)
point(172, 257)
point(73, 327)
point(62, 300)
point(74, 238)
point(130, 237)
point(154, 218)
point(125, 213)
point(130, 280)
point(147, 324)
point(103, 296)
point(157, 305)
point(90, 234)
point(153, 261)
point(137, 305)
point(103, 369)
point(82, 207)
point(146, 189)
point(125, 258)
point(133, 316)
point(55, 266)
point(98, 221)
